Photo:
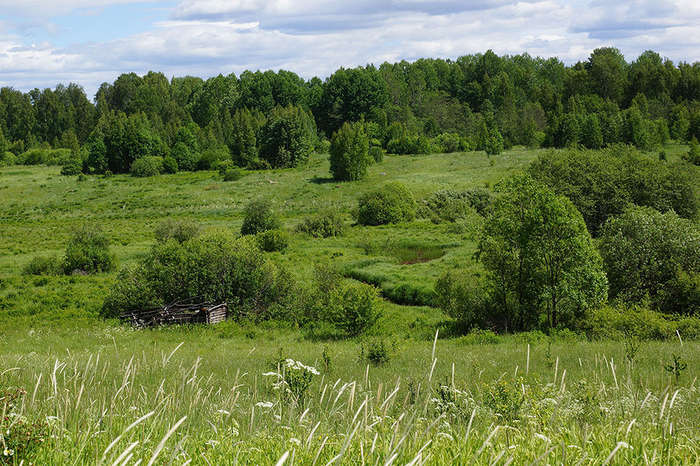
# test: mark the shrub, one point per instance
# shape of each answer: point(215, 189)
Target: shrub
point(654, 256)
point(479, 337)
point(377, 153)
point(258, 216)
point(210, 157)
point(7, 159)
point(73, 166)
point(217, 267)
point(222, 165)
point(170, 165)
point(349, 153)
point(618, 322)
point(88, 252)
point(446, 205)
point(376, 351)
point(463, 297)
point(353, 308)
point(288, 137)
point(450, 142)
point(272, 240)
point(234, 174)
point(693, 154)
point(44, 265)
point(323, 225)
point(179, 230)
point(148, 165)
point(185, 157)
point(392, 203)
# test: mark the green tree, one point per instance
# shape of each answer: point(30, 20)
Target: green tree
point(244, 141)
point(650, 255)
point(540, 258)
point(591, 133)
point(608, 73)
point(288, 137)
point(349, 153)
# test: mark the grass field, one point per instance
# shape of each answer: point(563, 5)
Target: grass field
point(198, 395)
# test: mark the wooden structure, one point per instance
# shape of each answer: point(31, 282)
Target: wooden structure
point(183, 312)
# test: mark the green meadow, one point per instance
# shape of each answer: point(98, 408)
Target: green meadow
point(86, 390)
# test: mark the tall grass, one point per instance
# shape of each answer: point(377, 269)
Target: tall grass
point(115, 396)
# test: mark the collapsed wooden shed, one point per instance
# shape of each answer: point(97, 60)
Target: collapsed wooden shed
point(182, 312)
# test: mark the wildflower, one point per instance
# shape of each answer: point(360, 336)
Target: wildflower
point(264, 404)
point(223, 411)
point(295, 441)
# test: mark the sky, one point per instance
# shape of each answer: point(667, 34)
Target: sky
point(46, 42)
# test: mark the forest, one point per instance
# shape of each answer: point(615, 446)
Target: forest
point(477, 102)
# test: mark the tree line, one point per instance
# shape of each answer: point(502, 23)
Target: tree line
point(276, 119)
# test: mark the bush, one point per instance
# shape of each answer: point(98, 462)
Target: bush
point(259, 217)
point(376, 351)
point(334, 308)
point(693, 154)
point(479, 337)
point(392, 203)
point(234, 174)
point(377, 153)
point(179, 230)
point(44, 266)
point(618, 322)
point(7, 159)
point(446, 206)
point(288, 137)
point(217, 267)
point(211, 157)
point(73, 166)
point(88, 252)
point(323, 225)
point(463, 297)
point(653, 256)
point(353, 308)
point(349, 153)
point(272, 240)
point(170, 165)
point(185, 157)
point(148, 165)
point(222, 165)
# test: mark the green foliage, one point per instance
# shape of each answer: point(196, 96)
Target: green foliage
point(73, 166)
point(244, 141)
point(349, 153)
point(149, 165)
point(44, 265)
point(234, 174)
point(541, 263)
point(272, 240)
point(170, 165)
point(602, 184)
point(463, 297)
point(494, 143)
point(88, 252)
point(376, 351)
point(621, 321)
point(259, 217)
point(19, 437)
point(653, 256)
point(210, 157)
point(184, 156)
point(352, 308)
point(288, 137)
point(392, 203)
point(693, 154)
point(323, 225)
point(7, 159)
point(216, 267)
point(178, 230)
point(377, 154)
point(450, 206)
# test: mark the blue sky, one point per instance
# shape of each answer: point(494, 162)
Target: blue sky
point(43, 43)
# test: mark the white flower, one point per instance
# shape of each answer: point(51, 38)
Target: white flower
point(223, 411)
point(542, 437)
point(7, 452)
point(264, 404)
point(267, 374)
point(295, 441)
